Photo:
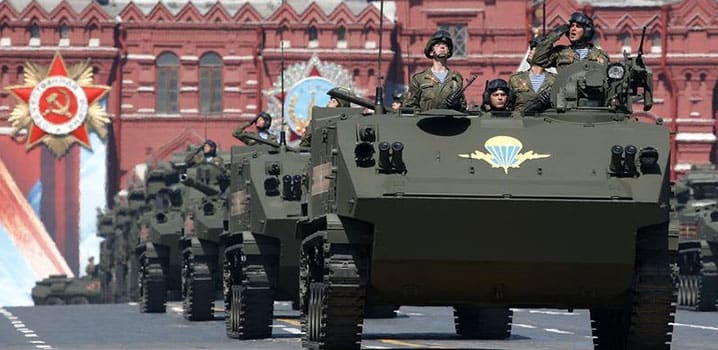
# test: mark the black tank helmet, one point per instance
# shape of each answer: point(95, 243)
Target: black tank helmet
point(213, 148)
point(585, 22)
point(440, 36)
point(267, 119)
point(342, 102)
point(498, 84)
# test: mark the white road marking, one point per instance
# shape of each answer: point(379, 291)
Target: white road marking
point(15, 322)
point(376, 347)
point(36, 342)
point(554, 330)
point(292, 330)
point(43, 346)
point(132, 303)
point(555, 313)
point(12, 318)
point(523, 325)
point(277, 326)
point(31, 335)
point(177, 309)
point(19, 325)
point(26, 330)
point(694, 326)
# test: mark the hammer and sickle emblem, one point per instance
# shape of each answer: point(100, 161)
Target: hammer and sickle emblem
point(60, 109)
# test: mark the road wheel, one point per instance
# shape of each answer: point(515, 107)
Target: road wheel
point(198, 290)
point(152, 287)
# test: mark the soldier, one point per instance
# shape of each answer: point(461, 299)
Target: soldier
point(527, 85)
point(334, 102)
point(580, 31)
point(263, 121)
point(209, 155)
point(91, 269)
point(430, 88)
point(396, 100)
point(498, 97)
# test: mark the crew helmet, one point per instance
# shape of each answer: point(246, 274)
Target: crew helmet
point(440, 36)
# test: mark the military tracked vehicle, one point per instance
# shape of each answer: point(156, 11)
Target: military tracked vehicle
point(204, 215)
point(262, 250)
point(696, 213)
point(123, 219)
point(104, 269)
point(61, 290)
point(158, 252)
point(567, 207)
point(137, 204)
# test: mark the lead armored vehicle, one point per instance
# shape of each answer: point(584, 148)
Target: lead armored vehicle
point(565, 208)
point(696, 213)
point(104, 269)
point(262, 250)
point(160, 230)
point(60, 290)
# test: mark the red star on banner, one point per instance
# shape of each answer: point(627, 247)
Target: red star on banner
point(57, 103)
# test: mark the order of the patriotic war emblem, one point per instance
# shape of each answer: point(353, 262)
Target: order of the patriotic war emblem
point(58, 106)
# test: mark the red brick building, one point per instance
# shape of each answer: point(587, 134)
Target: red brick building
point(182, 71)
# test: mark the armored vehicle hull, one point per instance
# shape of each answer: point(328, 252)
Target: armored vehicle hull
point(262, 250)
point(696, 214)
point(61, 290)
point(204, 215)
point(484, 214)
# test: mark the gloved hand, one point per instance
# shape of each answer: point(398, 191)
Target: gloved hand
point(561, 30)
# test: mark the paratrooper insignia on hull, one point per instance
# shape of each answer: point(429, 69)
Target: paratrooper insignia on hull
point(504, 152)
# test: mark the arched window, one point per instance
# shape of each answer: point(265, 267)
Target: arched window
point(34, 31)
point(313, 37)
point(341, 33)
point(167, 93)
point(64, 31)
point(625, 39)
point(341, 37)
point(210, 83)
point(656, 42)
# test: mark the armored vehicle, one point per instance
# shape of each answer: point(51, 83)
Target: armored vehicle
point(160, 230)
point(204, 216)
point(564, 208)
point(60, 290)
point(697, 216)
point(123, 219)
point(137, 205)
point(262, 250)
point(104, 269)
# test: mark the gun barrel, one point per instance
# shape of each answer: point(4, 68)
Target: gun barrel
point(351, 98)
point(643, 36)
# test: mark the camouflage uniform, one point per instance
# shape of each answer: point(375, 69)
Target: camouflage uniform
point(427, 92)
point(198, 157)
point(522, 89)
point(546, 55)
point(238, 132)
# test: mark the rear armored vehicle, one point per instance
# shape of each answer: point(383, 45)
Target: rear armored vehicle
point(159, 233)
point(61, 290)
point(696, 213)
point(567, 207)
point(262, 250)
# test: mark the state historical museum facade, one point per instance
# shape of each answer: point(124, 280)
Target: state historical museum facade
point(184, 71)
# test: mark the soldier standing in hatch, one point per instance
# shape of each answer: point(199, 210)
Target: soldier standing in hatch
point(208, 154)
point(263, 121)
point(497, 97)
point(430, 88)
point(396, 101)
point(91, 269)
point(580, 31)
point(527, 85)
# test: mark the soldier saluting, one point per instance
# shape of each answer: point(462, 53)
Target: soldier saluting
point(580, 31)
point(430, 88)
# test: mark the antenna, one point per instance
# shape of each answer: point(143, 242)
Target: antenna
point(282, 133)
point(379, 98)
point(543, 13)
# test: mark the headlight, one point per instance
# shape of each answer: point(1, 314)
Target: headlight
point(616, 71)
